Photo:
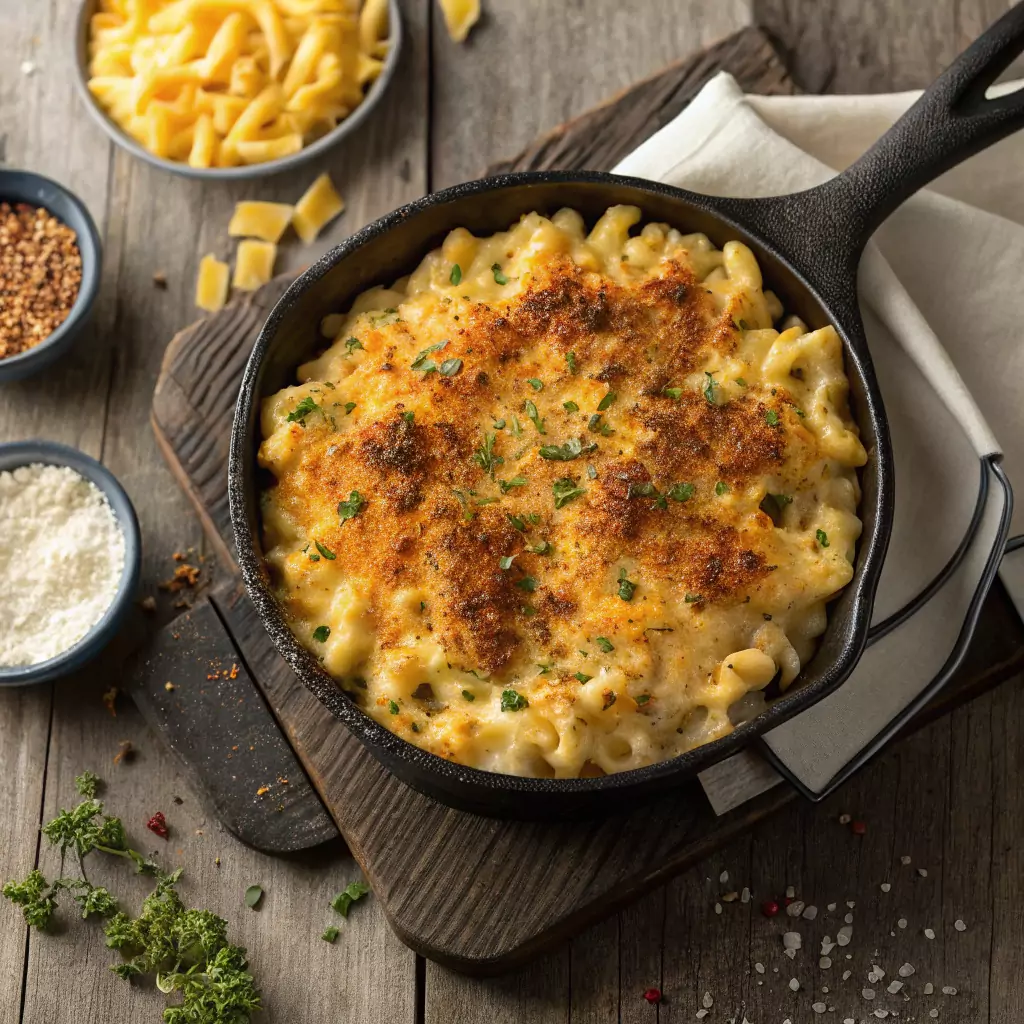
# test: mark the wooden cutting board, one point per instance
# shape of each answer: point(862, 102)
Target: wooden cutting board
point(477, 894)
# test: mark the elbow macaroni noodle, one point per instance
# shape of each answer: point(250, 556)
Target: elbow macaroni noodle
point(218, 83)
point(564, 502)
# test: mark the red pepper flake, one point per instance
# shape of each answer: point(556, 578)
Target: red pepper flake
point(263, 790)
point(653, 995)
point(770, 908)
point(858, 828)
point(158, 825)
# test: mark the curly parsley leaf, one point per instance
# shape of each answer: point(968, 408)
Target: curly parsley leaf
point(321, 633)
point(351, 344)
point(572, 449)
point(305, 408)
point(421, 362)
point(682, 492)
point(513, 700)
point(565, 490)
point(450, 367)
point(535, 383)
point(771, 417)
point(87, 784)
point(822, 538)
point(325, 551)
point(352, 892)
point(710, 387)
point(605, 644)
point(674, 393)
point(456, 275)
point(351, 508)
point(507, 485)
point(607, 402)
point(531, 411)
point(627, 588)
point(485, 458)
point(499, 277)
point(570, 359)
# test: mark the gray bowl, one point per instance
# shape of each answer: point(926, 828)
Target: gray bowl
point(249, 171)
point(24, 453)
point(34, 189)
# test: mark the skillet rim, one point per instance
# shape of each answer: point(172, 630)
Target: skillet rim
point(403, 758)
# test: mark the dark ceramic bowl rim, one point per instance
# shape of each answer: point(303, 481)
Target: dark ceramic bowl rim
point(25, 453)
point(246, 172)
point(871, 552)
point(91, 274)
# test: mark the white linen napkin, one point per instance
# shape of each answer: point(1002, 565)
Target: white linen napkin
point(943, 310)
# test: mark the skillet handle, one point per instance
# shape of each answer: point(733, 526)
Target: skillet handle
point(950, 122)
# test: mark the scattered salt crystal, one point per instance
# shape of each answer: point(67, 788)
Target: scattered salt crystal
point(723, 877)
point(701, 1014)
point(894, 987)
point(868, 993)
point(959, 925)
point(881, 1014)
point(818, 1007)
point(851, 904)
point(849, 1020)
point(906, 971)
point(844, 819)
point(790, 892)
point(843, 938)
point(708, 1001)
point(848, 919)
point(745, 895)
point(846, 975)
point(792, 940)
point(933, 1013)
point(718, 908)
point(810, 913)
point(759, 968)
point(825, 963)
point(929, 933)
point(929, 988)
point(901, 923)
point(831, 906)
point(949, 990)
point(795, 909)
point(885, 887)
point(827, 945)
point(730, 897)
point(791, 953)
point(879, 973)
point(824, 990)
point(904, 860)
point(794, 984)
point(922, 872)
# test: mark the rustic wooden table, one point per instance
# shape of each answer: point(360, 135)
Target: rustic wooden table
point(950, 799)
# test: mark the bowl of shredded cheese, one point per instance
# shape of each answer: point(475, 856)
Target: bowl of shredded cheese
point(239, 89)
point(70, 553)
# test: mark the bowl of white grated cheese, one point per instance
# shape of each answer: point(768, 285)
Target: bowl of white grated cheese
point(70, 553)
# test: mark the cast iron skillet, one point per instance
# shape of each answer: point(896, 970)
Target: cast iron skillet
point(808, 244)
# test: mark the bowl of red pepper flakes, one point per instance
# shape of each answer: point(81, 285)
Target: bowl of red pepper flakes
point(50, 268)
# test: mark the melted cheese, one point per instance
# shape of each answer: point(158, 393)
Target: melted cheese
point(564, 502)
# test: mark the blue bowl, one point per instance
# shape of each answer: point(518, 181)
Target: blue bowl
point(34, 189)
point(24, 453)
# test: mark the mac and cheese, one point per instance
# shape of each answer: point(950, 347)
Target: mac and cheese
point(563, 503)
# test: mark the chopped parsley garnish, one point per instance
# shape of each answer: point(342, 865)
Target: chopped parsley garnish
point(595, 425)
point(572, 449)
point(499, 424)
point(507, 485)
point(532, 414)
point(516, 428)
point(409, 417)
point(543, 548)
point(641, 490)
point(326, 552)
point(351, 344)
point(565, 490)
point(605, 644)
point(533, 518)
point(822, 537)
point(517, 523)
point(570, 358)
point(721, 488)
point(674, 393)
point(330, 934)
point(513, 700)
point(450, 367)
point(421, 362)
point(742, 383)
point(499, 277)
point(682, 492)
point(545, 667)
point(506, 561)
point(582, 677)
point(527, 583)
point(609, 700)
point(466, 695)
point(742, 325)
point(393, 707)
point(591, 472)
point(485, 458)
point(772, 506)
point(570, 407)
point(464, 502)
point(607, 401)
point(351, 508)
point(321, 633)
point(627, 588)
point(771, 417)
point(456, 275)
point(535, 383)
point(349, 406)
point(302, 410)
point(643, 699)
point(693, 598)
point(352, 892)
point(710, 386)
point(800, 413)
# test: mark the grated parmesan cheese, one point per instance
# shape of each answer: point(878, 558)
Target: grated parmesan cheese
point(61, 558)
